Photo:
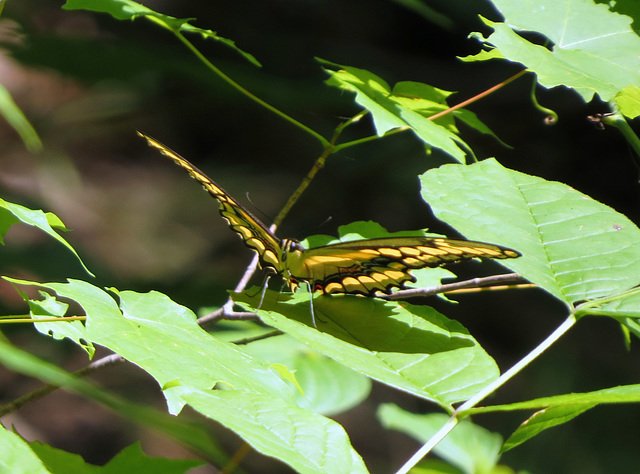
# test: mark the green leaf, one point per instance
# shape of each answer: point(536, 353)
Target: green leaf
point(130, 10)
point(628, 100)
point(620, 394)
point(16, 456)
point(625, 304)
point(48, 308)
point(130, 459)
point(164, 339)
point(409, 104)
point(593, 50)
point(543, 420)
point(559, 409)
point(328, 387)
point(308, 442)
point(59, 461)
point(14, 116)
point(573, 246)
point(11, 214)
point(133, 459)
point(469, 447)
point(412, 348)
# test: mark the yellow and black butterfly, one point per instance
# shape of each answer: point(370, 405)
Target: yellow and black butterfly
point(363, 267)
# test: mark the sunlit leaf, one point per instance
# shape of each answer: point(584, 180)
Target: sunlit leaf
point(412, 348)
point(408, 104)
point(305, 440)
point(11, 214)
point(572, 246)
point(591, 49)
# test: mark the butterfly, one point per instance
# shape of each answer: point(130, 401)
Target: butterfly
point(365, 267)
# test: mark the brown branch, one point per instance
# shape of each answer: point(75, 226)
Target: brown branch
point(434, 290)
point(47, 389)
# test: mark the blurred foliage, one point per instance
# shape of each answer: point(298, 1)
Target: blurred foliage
point(86, 82)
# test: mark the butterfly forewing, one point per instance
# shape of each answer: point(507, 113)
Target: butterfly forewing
point(253, 232)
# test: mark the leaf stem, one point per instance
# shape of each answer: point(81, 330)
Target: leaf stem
point(617, 120)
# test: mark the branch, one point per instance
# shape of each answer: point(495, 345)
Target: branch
point(47, 389)
point(459, 285)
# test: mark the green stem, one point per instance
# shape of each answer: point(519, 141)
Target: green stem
point(329, 149)
point(552, 116)
point(429, 445)
point(237, 86)
point(43, 320)
point(617, 120)
point(462, 410)
point(370, 138)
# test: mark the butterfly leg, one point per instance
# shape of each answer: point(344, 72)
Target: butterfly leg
point(264, 290)
point(313, 316)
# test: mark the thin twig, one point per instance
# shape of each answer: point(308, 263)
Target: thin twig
point(477, 97)
point(47, 389)
point(249, 340)
point(486, 391)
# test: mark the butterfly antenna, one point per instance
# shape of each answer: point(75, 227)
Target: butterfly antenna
point(265, 216)
point(326, 221)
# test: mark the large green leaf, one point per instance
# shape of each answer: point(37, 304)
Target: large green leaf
point(572, 246)
point(16, 456)
point(11, 214)
point(469, 447)
point(593, 50)
point(412, 348)
point(307, 441)
point(408, 104)
point(327, 386)
point(164, 339)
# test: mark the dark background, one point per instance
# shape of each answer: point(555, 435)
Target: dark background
point(87, 82)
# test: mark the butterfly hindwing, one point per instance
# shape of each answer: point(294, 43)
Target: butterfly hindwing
point(378, 265)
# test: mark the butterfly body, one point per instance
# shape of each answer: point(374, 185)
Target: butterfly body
point(366, 267)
